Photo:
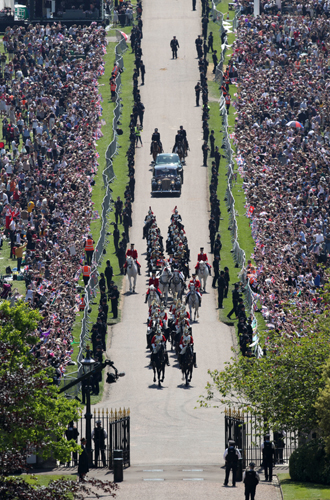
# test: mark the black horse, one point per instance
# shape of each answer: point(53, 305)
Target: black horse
point(158, 361)
point(187, 364)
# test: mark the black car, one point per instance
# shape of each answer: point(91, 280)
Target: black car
point(166, 180)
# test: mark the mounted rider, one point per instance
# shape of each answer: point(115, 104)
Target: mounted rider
point(133, 253)
point(158, 341)
point(186, 340)
point(150, 289)
point(202, 257)
point(178, 142)
point(156, 137)
point(197, 284)
point(183, 134)
point(155, 281)
point(163, 315)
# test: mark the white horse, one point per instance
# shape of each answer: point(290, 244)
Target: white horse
point(164, 282)
point(203, 274)
point(176, 284)
point(132, 271)
point(152, 296)
point(193, 302)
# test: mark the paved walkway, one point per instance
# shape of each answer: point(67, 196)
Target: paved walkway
point(196, 482)
point(170, 439)
point(165, 426)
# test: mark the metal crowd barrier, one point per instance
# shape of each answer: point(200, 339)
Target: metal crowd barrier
point(108, 176)
point(238, 252)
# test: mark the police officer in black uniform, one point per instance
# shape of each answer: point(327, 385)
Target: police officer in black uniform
point(221, 289)
point(231, 456)
point(236, 297)
point(72, 433)
point(250, 480)
point(99, 436)
point(216, 263)
point(198, 89)
point(174, 46)
point(268, 452)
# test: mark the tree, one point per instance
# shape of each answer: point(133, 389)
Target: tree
point(15, 488)
point(282, 386)
point(33, 416)
point(322, 407)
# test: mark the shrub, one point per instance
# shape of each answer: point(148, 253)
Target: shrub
point(309, 463)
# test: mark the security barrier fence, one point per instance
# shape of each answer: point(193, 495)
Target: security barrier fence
point(238, 252)
point(108, 176)
point(248, 432)
point(116, 424)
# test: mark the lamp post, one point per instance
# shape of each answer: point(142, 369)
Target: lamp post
point(88, 365)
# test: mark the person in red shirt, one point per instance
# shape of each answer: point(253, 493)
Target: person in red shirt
point(133, 253)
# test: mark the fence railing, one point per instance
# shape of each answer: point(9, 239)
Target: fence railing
point(238, 252)
point(248, 432)
point(117, 427)
point(108, 176)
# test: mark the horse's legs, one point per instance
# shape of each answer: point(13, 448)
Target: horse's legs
point(163, 371)
point(187, 375)
point(154, 369)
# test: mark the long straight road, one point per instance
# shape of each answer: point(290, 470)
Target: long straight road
point(165, 426)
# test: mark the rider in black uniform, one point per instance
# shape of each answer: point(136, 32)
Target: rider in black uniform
point(156, 137)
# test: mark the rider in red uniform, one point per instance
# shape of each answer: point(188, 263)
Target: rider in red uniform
point(202, 257)
point(133, 253)
point(153, 281)
point(197, 284)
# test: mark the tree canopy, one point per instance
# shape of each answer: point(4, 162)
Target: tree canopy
point(282, 386)
point(32, 414)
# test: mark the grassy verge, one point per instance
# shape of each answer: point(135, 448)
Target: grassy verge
point(121, 172)
point(244, 232)
point(302, 491)
point(45, 479)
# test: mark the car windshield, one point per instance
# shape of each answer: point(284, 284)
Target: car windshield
point(161, 172)
point(170, 158)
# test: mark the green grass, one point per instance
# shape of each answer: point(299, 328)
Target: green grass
point(244, 232)
point(302, 491)
point(44, 479)
point(117, 186)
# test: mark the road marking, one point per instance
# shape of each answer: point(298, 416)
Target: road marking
point(152, 470)
point(192, 470)
point(154, 479)
point(193, 479)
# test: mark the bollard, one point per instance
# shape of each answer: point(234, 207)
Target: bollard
point(118, 466)
point(239, 470)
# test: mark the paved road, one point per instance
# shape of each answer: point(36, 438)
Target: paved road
point(165, 426)
point(187, 483)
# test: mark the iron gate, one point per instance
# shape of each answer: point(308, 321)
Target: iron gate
point(248, 433)
point(117, 426)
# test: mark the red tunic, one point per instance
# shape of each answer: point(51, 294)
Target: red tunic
point(191, 341)
point(132, 253)
point(202, 256)
point(154, 281)
point(195, 282)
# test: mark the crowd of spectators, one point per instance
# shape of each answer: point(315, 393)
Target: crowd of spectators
point(51, 120)
point(282, 134)
point(123, 13)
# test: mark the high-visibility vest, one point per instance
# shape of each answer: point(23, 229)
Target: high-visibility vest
point(137, 132)
point(86, 271)
point(89, 247)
